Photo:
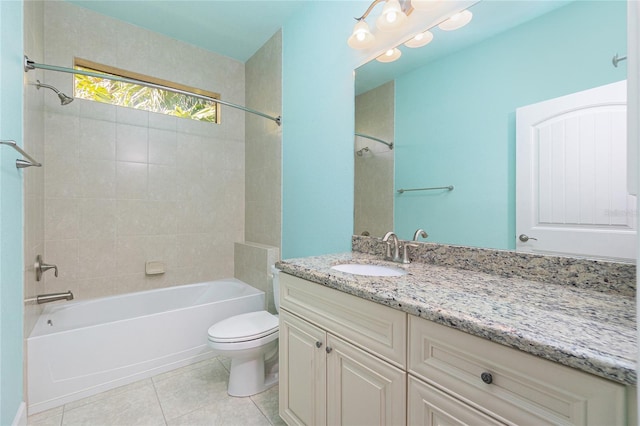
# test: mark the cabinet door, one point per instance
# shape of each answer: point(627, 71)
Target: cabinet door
point(302, 372)
point(431, 407)
point(362, 389)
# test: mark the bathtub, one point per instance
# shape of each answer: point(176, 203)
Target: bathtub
point(78, 349)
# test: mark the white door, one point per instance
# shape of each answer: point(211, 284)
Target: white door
point(571, 174)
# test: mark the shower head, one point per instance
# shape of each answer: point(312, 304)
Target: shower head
point(64, 99)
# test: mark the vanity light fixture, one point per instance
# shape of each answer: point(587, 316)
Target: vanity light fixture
point(361, 38)
point(392, 17)
point(456, 21)
point(390, 55)
point(420, 39)
point(425, 4)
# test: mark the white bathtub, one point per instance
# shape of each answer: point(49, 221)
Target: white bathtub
point(78, 349)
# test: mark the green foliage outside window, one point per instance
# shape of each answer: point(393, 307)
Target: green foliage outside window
point(142, 97)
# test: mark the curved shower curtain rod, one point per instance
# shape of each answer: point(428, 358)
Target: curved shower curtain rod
point(389, 144)
point(30, 65)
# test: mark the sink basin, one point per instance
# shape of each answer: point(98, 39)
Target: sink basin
point(370, 270)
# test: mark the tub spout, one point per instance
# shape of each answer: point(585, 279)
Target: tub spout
point(53, 297)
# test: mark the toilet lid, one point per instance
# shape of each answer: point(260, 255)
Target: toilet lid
point(240, 328)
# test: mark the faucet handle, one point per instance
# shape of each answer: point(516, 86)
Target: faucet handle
point(405, 252)
point(41, 267)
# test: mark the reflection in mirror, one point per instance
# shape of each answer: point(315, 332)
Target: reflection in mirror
point(455, 108)
point(373, 195)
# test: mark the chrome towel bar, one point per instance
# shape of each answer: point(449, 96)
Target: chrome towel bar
point(20, 163)
point(450, 188)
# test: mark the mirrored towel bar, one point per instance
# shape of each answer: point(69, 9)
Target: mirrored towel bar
point(389, 144)
point(30, 65)
point(450, 188)
point(21, 163)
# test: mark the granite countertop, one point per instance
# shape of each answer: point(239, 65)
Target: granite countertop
point(581, 328)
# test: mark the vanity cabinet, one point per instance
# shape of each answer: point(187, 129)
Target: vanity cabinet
point(347, 360)
point(329, 373)
point(455, 372)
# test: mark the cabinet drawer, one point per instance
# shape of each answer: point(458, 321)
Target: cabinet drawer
point(525, 389)
point(379, 329)
point(429, 406)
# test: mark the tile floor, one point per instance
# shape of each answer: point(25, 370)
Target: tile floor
point(191, 395)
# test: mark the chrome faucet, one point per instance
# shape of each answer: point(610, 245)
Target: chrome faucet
point(51, 297)
point(419, 233)
point(41, 267)
point(392, 239)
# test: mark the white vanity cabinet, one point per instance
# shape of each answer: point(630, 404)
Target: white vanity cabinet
point(344, 363)
point(500, 384)
point(347, 360)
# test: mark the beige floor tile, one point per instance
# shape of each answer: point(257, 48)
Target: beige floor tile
point(132, 387)
point(227, 411)
point(51, 417)
point(189, 389)
point(267, 402)
point(137, 405)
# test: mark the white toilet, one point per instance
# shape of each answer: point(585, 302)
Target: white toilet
point(251, 341)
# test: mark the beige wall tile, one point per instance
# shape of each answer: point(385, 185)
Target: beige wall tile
point(125, 186)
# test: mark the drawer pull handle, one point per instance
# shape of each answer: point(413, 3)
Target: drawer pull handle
point(318, 344)
point(487, 378)
point(329, 349)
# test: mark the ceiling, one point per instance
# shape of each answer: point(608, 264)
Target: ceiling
point(233, 28)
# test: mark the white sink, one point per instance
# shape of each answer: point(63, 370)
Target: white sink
point(371, 270)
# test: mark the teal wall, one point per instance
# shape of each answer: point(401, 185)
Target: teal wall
point(11, 228)
point(317, 130)
point(455, 118)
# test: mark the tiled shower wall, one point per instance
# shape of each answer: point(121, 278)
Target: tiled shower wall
point(123, 186)
point(263, 168)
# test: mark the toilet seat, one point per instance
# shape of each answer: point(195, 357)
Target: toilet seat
point(244, 328)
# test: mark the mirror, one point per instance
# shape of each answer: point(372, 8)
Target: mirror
point(450, 107)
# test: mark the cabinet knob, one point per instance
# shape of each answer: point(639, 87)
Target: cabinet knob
point(524, 238)
point(329, 349)
point(487, 378)
point(318, 344)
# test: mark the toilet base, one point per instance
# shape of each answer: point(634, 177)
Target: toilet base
point(249, 376)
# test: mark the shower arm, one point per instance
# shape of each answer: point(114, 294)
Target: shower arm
point(31, 65)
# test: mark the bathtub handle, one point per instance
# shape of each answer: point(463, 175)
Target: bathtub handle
point(41, 267)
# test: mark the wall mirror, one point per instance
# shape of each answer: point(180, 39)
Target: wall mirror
point(449, 108)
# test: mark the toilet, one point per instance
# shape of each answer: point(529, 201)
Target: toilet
point(251, 341)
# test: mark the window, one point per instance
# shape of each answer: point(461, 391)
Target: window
point(141, 97)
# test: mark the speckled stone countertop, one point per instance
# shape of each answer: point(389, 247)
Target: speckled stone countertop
point(590, 330)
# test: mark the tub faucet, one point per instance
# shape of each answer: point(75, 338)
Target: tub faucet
point(41, 267)
point(392, 239)
point(51, 297)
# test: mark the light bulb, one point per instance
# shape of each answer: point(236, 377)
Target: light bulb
point(420, 39)
point(390, 55)
point(361, 38)
point(392, 16)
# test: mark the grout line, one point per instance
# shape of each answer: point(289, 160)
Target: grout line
point(155, 391)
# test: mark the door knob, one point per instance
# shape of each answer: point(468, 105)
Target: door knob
point(524, 238)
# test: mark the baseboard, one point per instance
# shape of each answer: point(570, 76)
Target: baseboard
point(21, 415)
